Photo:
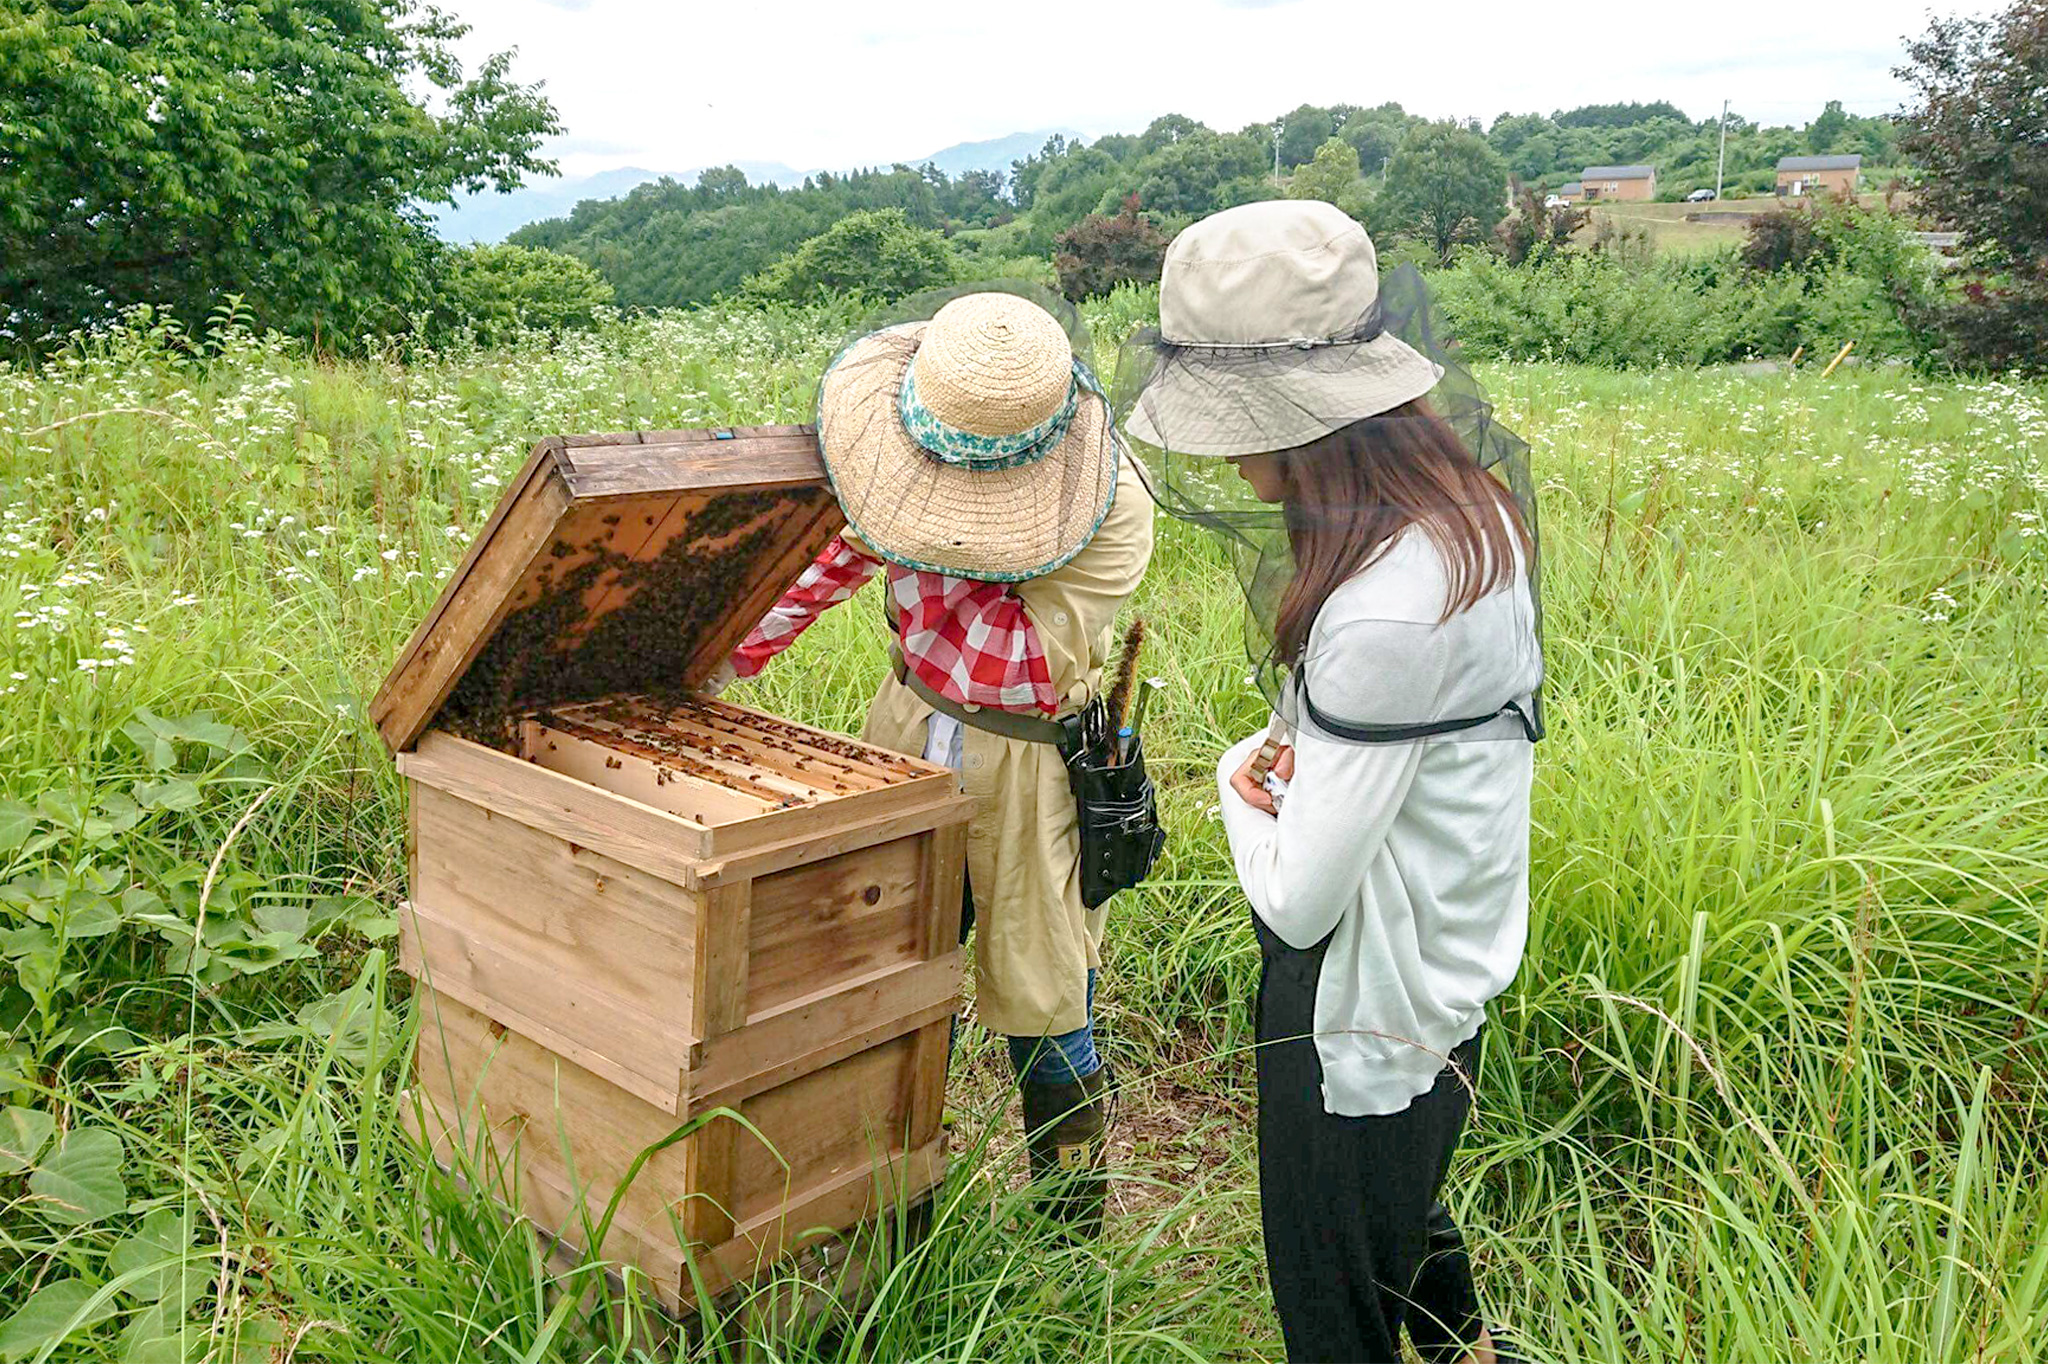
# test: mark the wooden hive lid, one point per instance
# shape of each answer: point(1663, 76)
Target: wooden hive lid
point(614, 564)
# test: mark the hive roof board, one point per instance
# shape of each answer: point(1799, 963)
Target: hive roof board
point(1618, 173)
point(1820, 163)
point(628, 564)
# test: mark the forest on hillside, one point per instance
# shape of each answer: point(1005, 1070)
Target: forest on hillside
point(668, 243)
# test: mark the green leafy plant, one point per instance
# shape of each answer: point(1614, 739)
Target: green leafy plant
point(156, 157)
point(494, 291)
point(874, 255)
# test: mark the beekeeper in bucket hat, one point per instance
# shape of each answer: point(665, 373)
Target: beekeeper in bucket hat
point(973, 453)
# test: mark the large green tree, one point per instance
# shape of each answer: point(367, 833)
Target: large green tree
point(176, 151)
point(876, 255)
point(1200, 173)
point(1446, 186)
point(496, 290)
point(1332, 177)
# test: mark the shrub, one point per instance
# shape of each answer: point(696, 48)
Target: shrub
point(876, 255)
point(1606, 309)
point(1783, 240)
point(495, 291)
point(984, 265)
point(1534, 229)
point(1098, 253)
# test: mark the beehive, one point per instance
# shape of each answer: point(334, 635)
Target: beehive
point(632, 905)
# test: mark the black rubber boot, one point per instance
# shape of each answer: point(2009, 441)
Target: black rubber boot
point(1067, 1126)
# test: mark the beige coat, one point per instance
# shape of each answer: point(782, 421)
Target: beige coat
point(1033, 942)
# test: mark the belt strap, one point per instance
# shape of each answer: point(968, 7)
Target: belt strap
point(1007, 724)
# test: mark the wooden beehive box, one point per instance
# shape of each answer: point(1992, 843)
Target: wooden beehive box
point(632, 905)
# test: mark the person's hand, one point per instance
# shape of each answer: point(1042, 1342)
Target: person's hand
point(1251, 791)
point(720, 679)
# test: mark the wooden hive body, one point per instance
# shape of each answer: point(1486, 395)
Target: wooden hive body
point(633, 906)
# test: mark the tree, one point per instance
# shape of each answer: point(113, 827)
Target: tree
point(1302, 134)
point(1098, 253)
point(722, 182)
point(1826, 132)
point(1331, 177)
point(496, 290)
point(1166, 130)
point(1199, 174)
point(1617, 115)
point(167, 152)
point(1376, 134)
point(1980, 134)
point(1446, 186)
point(874, 255)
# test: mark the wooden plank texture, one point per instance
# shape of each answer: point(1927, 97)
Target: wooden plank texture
point(820, 1128)
point(826, 1141)
point(613, 564)
point(659, 786)
point(655, 841)
point(832, 921)
point(471, 607)
point(766, 859)
point(723, 965)
point(596, 1031)
point(483, 1074)
point(589, 921)
point(753, 457)
point(809, 1033)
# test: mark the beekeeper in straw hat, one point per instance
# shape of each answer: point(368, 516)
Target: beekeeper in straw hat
point(973, 453)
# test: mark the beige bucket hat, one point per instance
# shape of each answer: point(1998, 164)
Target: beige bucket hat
point(974, 444)
point(1270, 335)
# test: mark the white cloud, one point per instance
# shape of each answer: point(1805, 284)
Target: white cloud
point(825, 83)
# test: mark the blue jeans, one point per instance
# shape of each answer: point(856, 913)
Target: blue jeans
point(1064, 1058)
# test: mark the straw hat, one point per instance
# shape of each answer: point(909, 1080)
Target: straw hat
point(1270, 334)
point(974, 444)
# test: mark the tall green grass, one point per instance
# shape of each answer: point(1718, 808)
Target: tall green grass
point(1768, 1087)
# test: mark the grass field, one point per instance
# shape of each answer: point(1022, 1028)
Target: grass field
point(1770, 1085)
point(1669, 230)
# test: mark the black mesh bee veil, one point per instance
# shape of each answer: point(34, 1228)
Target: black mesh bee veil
point(1377, 449)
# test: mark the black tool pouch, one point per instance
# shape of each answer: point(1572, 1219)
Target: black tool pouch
point(1120, 833)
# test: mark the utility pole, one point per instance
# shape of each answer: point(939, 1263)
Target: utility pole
point(1276, 150)
point(1721, 165)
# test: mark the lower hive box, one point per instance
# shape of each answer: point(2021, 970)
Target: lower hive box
point(636, 911)
point(791, 957)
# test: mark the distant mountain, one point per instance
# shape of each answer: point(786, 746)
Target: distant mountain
point(491, 217)
point(996, 154)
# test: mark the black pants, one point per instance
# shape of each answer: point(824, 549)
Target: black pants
point(1356, 1242)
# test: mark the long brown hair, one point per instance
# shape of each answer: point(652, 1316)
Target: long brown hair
point(1351, 492)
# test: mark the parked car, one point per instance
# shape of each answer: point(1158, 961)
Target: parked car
point(1699, 196)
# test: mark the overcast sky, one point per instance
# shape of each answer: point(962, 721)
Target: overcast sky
point(838, 83)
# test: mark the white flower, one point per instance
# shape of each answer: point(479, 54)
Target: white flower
point(388, 556)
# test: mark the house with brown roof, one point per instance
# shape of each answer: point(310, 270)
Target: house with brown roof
point(1632, 183)
point(1801, 176)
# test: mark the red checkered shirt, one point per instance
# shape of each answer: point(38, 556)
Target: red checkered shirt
point(969, 641)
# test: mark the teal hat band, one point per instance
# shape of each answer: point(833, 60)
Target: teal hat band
point(969, 450)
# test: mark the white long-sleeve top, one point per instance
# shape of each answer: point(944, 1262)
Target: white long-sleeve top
point(1412, 857)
